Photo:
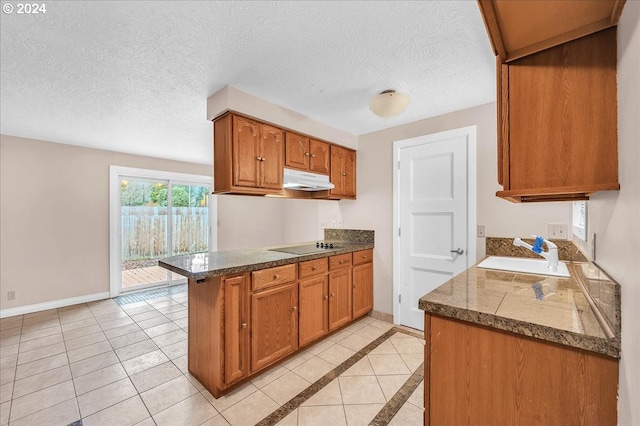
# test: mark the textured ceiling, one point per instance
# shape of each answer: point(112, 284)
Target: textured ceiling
point(135, 76)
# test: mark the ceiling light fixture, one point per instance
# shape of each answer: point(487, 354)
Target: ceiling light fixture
point(389, 103)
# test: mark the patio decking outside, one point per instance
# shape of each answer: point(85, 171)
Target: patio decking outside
point(149, 275)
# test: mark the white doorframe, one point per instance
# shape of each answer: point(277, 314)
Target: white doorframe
point(115, 261)
point(470, 133)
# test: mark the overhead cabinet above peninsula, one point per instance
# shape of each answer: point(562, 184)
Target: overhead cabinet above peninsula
point(250, 157)
point(557, 102)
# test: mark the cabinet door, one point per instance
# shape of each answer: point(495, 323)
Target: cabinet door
point(246, 157)
point(236, 331)
point(274, 325)
point(314, 309)
point(319, 157)
point(296, 151)
point(343, 171)
point(362, 289)
point(349, 173)
point(339, 298)
point(271, 154)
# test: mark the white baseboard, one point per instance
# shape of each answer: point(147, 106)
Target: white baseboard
point(21, 310)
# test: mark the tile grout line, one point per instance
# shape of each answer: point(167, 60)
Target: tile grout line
point(319, 384)
point(398, 400)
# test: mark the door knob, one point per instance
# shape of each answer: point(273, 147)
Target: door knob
point(457, 251)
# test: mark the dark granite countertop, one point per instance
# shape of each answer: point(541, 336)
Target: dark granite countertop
point(211, 264)
point(549, 308)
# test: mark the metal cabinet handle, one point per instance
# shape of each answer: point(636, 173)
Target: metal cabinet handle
point(276, 276)
point(244, 325)
point(326, 297)
point(295, 308)
point(306, 154)
point(457, 251)
point(341, 261)
point(313, 156)
point(313, 268)
point(344, 174)
point(332, 294)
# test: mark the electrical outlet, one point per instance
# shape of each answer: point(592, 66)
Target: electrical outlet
point(558, 231)
point(481, 232)
point(340, 224)
point(11, 295)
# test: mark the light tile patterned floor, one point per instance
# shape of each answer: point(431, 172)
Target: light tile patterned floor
point(109, 364)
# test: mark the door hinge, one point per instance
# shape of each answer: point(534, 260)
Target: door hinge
point(398, 232)
point(399, 298)
point(398, 165)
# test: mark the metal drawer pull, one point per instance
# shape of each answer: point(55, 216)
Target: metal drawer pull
point(244, 325)
point(332, 294)
point(295, 308)
point(341, 261)
point(313, 268)
point(326, 297)
point(276, 276)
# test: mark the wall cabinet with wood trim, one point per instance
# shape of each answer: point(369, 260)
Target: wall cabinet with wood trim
point(305, 153)
point(557, 121)
point(343, 172)
point(362, 282)
point(521, 28)
point(480, 375)
point(248, 156)
point(241, 324)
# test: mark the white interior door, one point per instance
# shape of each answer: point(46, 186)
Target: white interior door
point(433, 216)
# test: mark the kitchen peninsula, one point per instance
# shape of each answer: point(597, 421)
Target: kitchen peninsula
point(510, 348)
point(251, 308)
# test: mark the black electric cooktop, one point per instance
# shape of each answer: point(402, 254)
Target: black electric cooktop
point(307, 248)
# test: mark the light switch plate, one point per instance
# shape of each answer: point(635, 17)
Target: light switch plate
point(558, 231)
point(481, 231)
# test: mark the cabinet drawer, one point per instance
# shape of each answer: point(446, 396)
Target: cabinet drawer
point(362, 256)
point(313, 267)
point(340, 261)
point(266, 278)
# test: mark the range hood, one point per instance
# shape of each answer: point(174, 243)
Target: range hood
point(305, 181)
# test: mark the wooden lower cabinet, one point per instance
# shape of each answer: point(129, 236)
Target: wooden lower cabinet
point(362, 289)
point(339, 298)
point(314, 309)
point(236, 331)
point(242, 323)
point(218, 354)
point(479, 375)
point(274, 325)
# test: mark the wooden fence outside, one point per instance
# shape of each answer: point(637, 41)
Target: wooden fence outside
point(144, 231)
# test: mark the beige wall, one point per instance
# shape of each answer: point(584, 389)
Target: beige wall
point(54, 226)
point(374, 207)
point(615, 215)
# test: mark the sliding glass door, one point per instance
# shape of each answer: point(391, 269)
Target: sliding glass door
point(158, 218)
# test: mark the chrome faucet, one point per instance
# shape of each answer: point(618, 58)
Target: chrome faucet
point(551, 254)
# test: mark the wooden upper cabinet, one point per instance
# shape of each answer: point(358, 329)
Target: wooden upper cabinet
point(557, 121)
point(521, 28)
point(296, 151)
point(305, 153)
point(343, 172)
point(318, 157)
point(248, 156)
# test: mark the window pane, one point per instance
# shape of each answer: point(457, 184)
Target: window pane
point(190, 218)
